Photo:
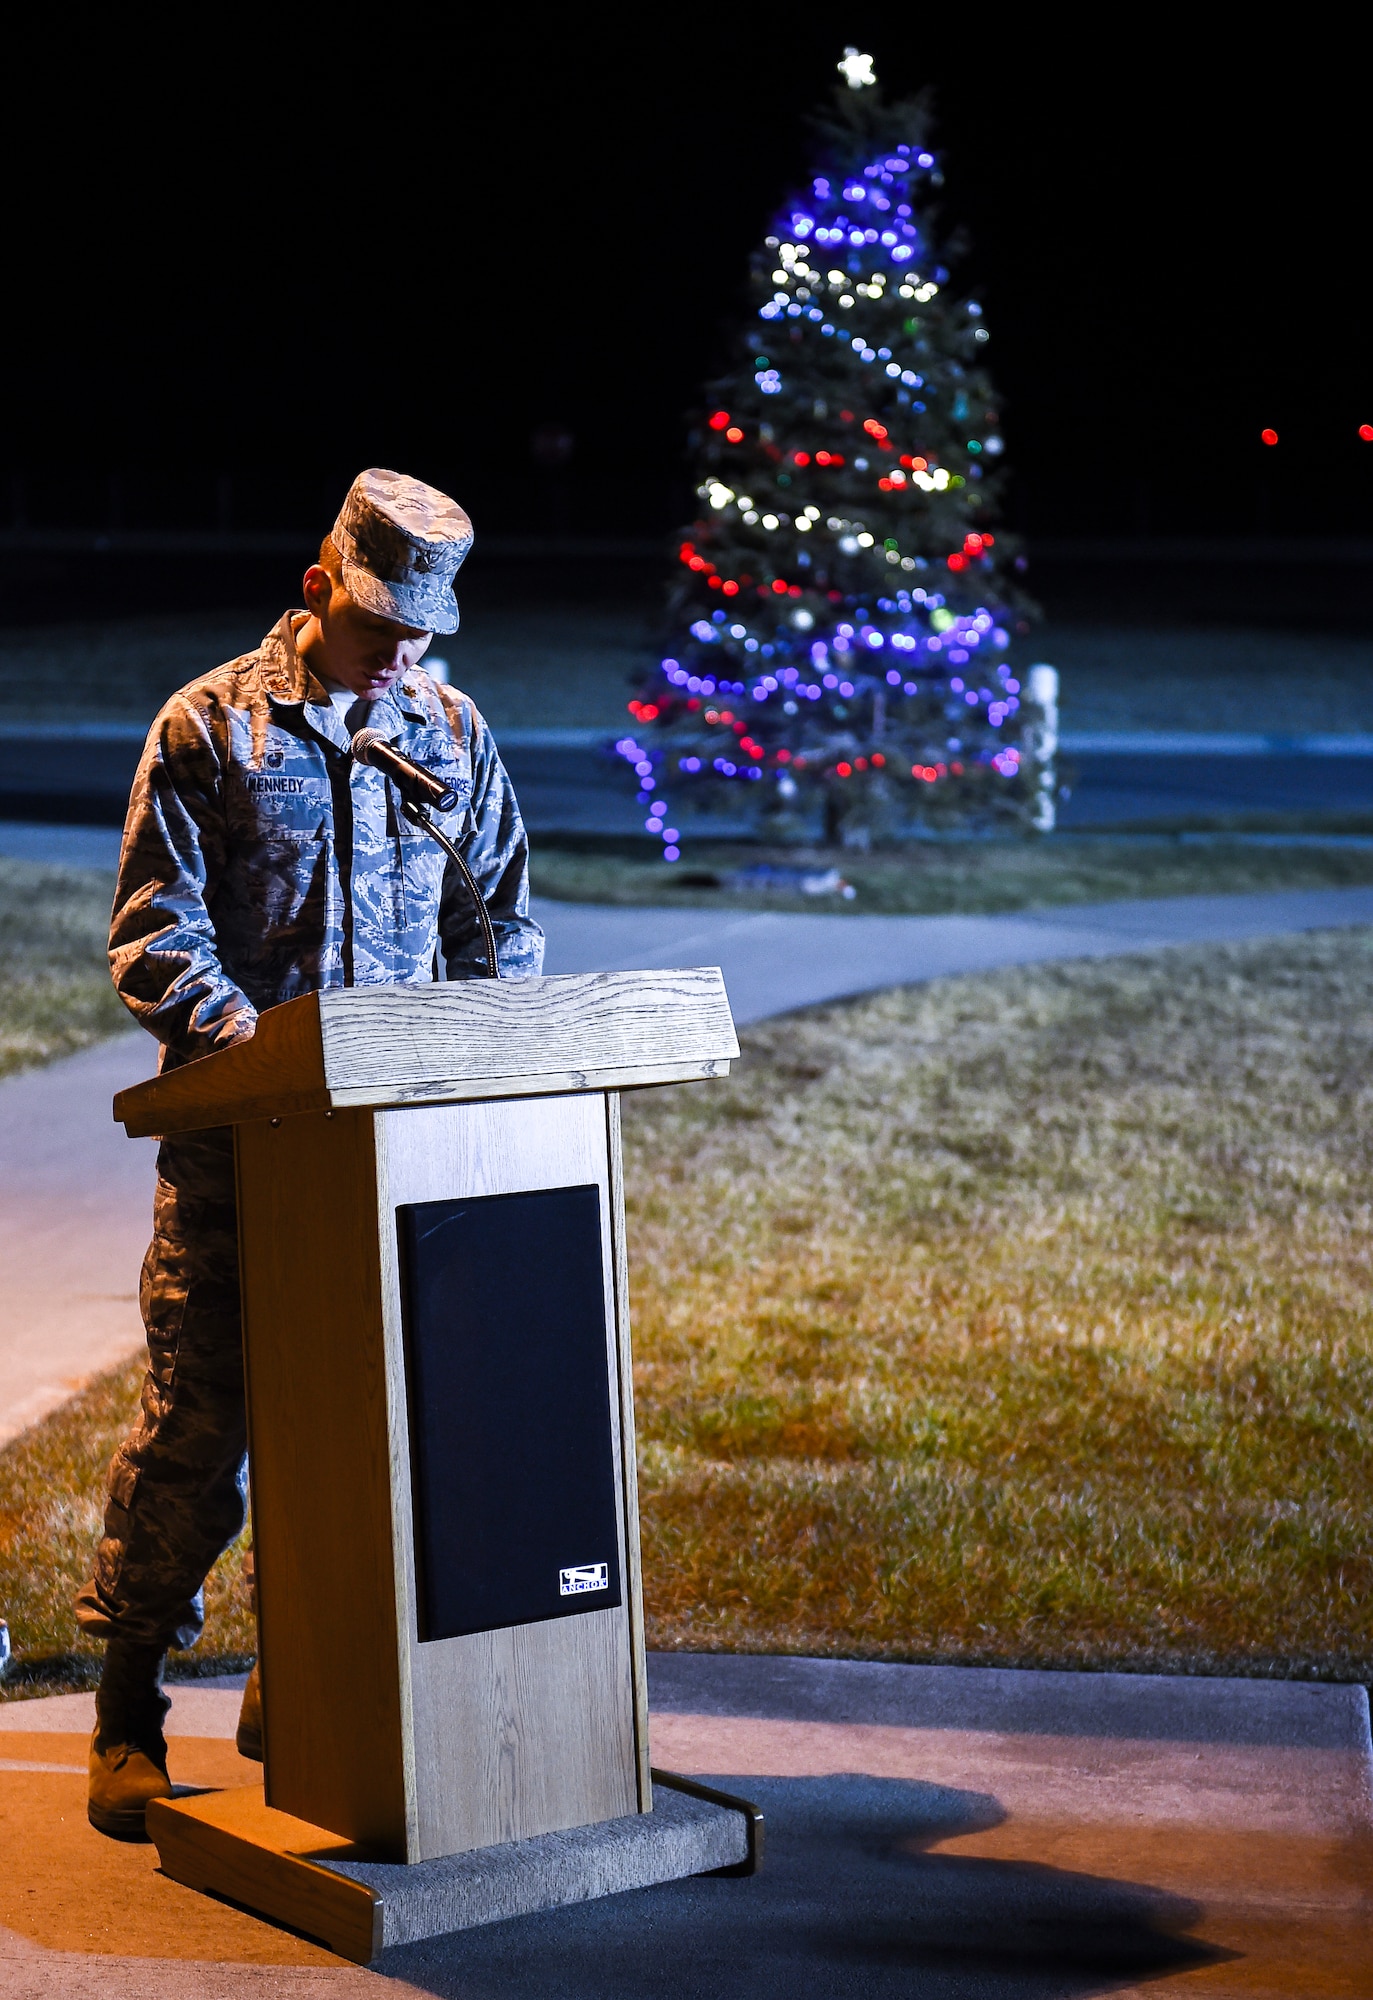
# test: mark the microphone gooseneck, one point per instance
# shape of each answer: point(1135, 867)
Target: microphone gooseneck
point(416, 785)
point(420, 791)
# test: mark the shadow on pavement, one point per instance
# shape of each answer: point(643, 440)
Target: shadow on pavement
point(849, 1902)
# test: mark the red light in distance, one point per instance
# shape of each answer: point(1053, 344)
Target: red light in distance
point(1269, 437)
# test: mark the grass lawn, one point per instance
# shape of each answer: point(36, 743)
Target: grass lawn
point(1023, 1319)
point(1019, 1319)
point(542, 666)
point(52, 1498)
point(55, 991)
point(558, 665)
point(1223, 678)
point(937, 877)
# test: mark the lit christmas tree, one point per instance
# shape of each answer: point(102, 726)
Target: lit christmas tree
point(844, 609)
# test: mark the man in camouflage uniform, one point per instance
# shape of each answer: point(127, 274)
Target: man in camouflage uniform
point(260, 861)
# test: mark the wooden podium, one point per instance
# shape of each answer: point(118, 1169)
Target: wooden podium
point(436, 1329)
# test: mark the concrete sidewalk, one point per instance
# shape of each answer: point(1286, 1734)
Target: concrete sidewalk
point(75, 1215)
point(932, 1831)
point(568, 783)
point(776, 962)
point(75, 1195)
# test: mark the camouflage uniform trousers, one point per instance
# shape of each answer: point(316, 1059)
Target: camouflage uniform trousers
point(178, 1485)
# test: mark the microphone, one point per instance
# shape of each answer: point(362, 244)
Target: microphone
point(419, 789)
point(415, 785)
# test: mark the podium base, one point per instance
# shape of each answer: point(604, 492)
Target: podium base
point(232, 1844)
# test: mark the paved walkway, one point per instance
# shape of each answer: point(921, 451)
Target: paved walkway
point(774, 963)
point(75, 1195)
point(932, 1831)
point(75, 1209)
point(567, 783)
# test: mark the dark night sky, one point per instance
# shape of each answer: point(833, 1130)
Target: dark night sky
point(279, 259)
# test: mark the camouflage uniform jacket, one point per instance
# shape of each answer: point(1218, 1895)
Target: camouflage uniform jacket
point(260, 862)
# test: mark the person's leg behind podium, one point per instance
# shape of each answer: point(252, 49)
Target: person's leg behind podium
point(178, 1484)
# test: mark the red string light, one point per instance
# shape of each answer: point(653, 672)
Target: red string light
point(1269, 437)
point(719, 420)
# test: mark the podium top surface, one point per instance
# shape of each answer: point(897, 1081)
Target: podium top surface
point(478, 1038)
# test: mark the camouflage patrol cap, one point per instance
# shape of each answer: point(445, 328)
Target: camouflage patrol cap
point(402, 543)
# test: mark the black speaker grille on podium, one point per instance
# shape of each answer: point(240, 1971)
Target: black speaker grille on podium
point(509, 1394)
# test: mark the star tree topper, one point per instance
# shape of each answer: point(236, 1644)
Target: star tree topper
point(856, 69)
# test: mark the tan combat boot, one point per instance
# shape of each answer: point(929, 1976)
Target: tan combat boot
point(249, 1734)
point(123, 1779)
point(128, 1761)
